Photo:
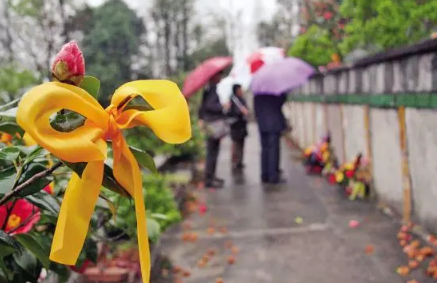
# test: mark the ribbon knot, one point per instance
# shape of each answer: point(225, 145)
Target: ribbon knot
point(113, 129)
point(169, 120)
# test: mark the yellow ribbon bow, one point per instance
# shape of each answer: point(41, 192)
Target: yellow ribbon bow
point(169, 120)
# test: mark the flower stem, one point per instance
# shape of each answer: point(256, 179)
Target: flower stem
point(27, 183)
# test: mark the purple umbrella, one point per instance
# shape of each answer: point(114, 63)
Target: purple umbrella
point(281, 76)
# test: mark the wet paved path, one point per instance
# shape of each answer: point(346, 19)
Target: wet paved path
point(273, 246)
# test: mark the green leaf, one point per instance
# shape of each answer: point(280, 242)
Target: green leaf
point(139, 107)
point(61, 271)
point(7, 240)
point(39, 251)
point(91, 85)
point(108, 204)
point(5, 251)
point(7, 179)
point(111, 183)
point(144, 159)
point(91, 250)
point(28, 267)
point(108, 182)
point(31, 170)
point(153, 228)
point(37, 152)
point(45, 202)
point(11, 128)
point(159, 216)
point(11, 113)
point(67, 122)
point(9, 153)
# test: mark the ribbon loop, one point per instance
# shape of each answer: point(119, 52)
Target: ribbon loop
point(169, 120)
point(41, 102)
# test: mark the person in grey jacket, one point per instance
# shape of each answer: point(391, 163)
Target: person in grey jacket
point(211, 110)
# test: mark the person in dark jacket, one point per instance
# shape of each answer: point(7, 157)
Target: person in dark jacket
point(238, 113)
point(271, 123)
point(211, 110)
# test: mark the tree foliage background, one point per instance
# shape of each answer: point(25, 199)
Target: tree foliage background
point(119, 44)
point(330, 27)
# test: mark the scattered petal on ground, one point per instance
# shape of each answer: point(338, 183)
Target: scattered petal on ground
point(370, 249)
point(403, 270)
point(231, 259)
point(354, 223)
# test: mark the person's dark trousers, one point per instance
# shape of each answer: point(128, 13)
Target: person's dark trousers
point(237, 153)
point(212, 151)
point(270, 143)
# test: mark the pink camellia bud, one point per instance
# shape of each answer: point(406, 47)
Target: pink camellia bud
point(69, 64)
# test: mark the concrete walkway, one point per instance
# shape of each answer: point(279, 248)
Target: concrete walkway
point(296, 233)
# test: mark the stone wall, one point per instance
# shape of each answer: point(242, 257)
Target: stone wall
point(317, 108)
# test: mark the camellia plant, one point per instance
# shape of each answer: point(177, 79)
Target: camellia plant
point(72, 135)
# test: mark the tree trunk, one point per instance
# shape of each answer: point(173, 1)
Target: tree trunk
point(185, 19)
point(167, 43)
point(8, 41)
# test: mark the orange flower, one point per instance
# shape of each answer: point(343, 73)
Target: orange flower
point(6, 138)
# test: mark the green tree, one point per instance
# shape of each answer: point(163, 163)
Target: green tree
point(383, 24)
point(111, 40)
point(13, 80)
point(314, 47)
point(217, 47)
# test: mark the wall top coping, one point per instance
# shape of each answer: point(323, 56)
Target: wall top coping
point(426, 46)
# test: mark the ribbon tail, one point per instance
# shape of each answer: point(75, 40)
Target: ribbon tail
point(75, 215)
point(127, 172)
point(140, 210)
point(143, 236)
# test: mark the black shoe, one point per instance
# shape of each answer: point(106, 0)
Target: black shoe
point(240, 166)
point(213, 185)
point(218, 180)
point(278, 182)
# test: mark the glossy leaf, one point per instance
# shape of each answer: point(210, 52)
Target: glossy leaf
point(108, 204)
point(91, 85)
point(11, 113)
point(36, 186)
point(7, 178)
point(67, 122)
point(9, 153)
point(39, 251)
point(11, 128)
point(7, 240)
point(61, 271)
point(144, 159)
point(26, 267)
point(153, 228)
point(159, 216)
point(108, 182)
point(91, 250)
point(45, 202)
point(37, 152)
point(5, 272)
point(139, 107)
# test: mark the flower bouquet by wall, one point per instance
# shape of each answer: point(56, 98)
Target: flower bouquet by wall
point(353, 177)
point(316, 157)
